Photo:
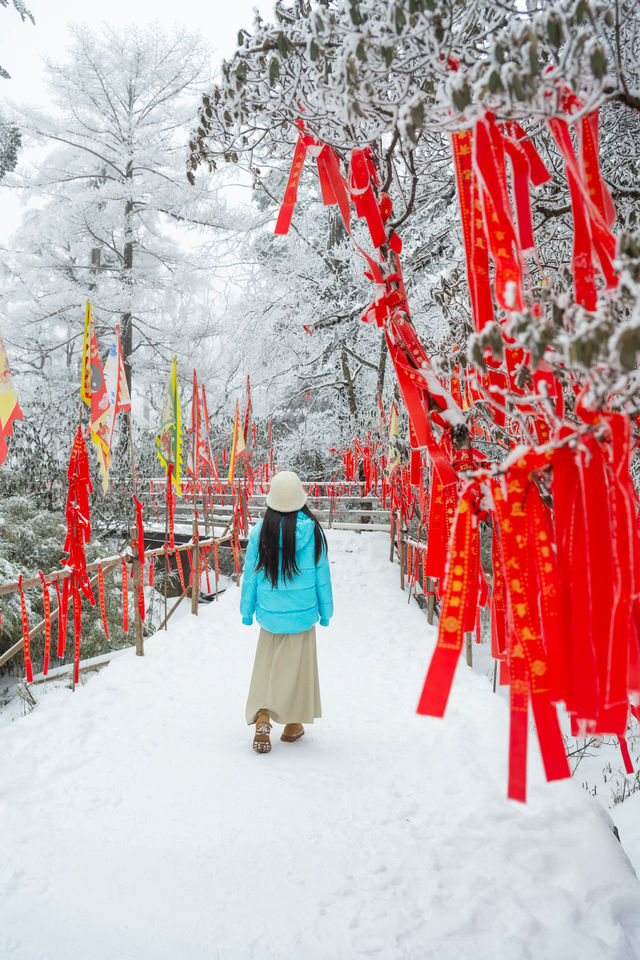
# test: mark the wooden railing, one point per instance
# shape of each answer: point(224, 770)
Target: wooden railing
point(346, 507)
point(107, 566)
point(217, 505)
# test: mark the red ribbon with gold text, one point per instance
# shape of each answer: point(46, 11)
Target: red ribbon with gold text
point(47, 623)
point(456, 603)
point(103, 610)
point(125, 596)
point(25, 633)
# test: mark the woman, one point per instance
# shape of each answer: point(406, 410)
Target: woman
point(287, 585)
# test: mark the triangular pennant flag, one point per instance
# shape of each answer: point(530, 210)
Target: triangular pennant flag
point(9, 406)
point(169, 438)
point(93, 391)
point(116, 382)
point(206, 451)
point(238, 445)
point(193, 457)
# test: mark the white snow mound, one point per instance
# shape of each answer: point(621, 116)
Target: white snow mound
point(138, 824)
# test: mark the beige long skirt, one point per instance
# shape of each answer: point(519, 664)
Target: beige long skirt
point(285, 678)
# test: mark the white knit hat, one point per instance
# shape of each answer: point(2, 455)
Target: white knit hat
point(286, 493)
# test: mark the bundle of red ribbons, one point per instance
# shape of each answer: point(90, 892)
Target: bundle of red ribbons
point(563, 516)
point(78, 533)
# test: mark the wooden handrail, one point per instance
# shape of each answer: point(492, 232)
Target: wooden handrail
point(19, 644)
point(106, 564)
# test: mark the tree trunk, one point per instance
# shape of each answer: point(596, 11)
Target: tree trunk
point(382, 365)
point(346, 373)
point(127, 324)
point(127, 328)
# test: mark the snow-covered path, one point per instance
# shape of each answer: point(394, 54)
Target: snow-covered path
point(138, 824)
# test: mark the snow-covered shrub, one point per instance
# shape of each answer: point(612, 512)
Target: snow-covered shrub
point(32, 539)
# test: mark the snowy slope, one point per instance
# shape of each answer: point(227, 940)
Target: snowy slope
point(137, 823)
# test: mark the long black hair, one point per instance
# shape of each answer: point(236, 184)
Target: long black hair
point(269, 543)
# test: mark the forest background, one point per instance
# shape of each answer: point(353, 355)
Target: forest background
point(99, 157)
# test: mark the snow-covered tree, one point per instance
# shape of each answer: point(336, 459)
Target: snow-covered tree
point(317, 367)
point(24, 15)
point(9, 134)
point(401, 77)
point(112, 219)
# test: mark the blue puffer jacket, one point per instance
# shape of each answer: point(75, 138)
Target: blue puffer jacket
point(295, 605)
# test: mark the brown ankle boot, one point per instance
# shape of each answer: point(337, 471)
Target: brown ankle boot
point(292, 732)
point(261, 740)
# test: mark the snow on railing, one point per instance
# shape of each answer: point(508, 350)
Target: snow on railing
point(339, 505)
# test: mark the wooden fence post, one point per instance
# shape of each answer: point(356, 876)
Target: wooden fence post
point(402, 549)
point(137, 583)
point(393, 536)
point(431, 599)
point(468, 645)
point(243, 506)
point(195, 570)
point(331, 509)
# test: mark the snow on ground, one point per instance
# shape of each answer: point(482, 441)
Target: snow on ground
point(138, 824)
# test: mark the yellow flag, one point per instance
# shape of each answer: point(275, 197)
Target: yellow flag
point(238, 445)
point(9, 406)
point(169, 438)
point(93, 390)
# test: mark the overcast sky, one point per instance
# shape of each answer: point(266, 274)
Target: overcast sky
point(22, 45)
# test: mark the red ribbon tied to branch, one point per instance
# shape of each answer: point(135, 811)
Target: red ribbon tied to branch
point(591, 203)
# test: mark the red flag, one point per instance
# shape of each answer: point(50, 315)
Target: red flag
point(93, 391)
point(206, 451)
point(193, 458)
point(247, 412)
point(115, 379)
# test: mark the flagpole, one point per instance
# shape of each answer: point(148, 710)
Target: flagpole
point(134, 484)
point(138, 572)
point(166, 536)
point(195, 552)
point(86, 358)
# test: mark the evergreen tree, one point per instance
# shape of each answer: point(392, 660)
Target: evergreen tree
point(400, 77)
point(114, 218)
point(10, 138)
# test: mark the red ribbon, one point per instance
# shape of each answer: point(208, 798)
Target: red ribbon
point(180, 571)
point(103, 610)
point(47, 623)
point(626, 758)
point(455, 605)
point(25, 633)
point(140, 530)
point(206, 568)
point(235, 555)
point(503, 239)
point(291, 193)
point(77, 628)
point(125, 597)
point(62, 615)
point(140, 597)
point(527, 655)
point(362, 194)
point(473, 230)
point(593, 211)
